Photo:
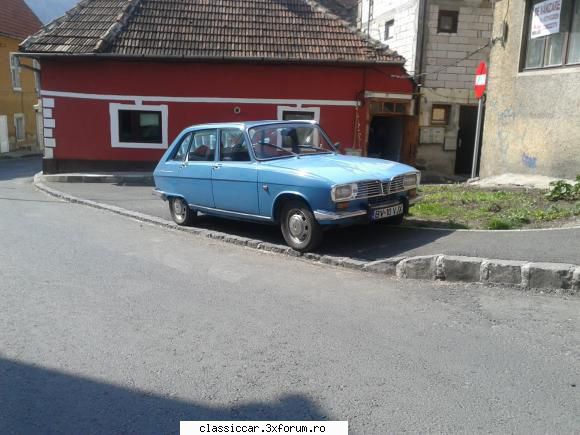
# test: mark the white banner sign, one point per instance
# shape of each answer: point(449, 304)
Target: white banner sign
point(546, 18)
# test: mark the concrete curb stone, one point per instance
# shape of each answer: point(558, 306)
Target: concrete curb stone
point(576, 280)
point(502, 272)
point(145, 179)
point(422, 267)
point(559, 278)
point(547, 275)
point(387, 266)
point(456, 268)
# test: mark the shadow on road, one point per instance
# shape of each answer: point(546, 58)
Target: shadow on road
point(37, 400)
point(11, 169)
point(365, 242)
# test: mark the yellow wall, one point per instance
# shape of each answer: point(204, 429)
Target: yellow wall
point(11, 101)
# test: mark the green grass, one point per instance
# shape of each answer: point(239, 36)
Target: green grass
point(460, 206)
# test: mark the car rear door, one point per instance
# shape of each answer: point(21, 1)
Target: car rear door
point(196, 172)
point(235, 174)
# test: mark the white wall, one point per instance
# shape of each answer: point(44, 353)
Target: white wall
point(446, 50)
point(405, 14)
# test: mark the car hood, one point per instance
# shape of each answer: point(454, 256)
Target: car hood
point(338, 168)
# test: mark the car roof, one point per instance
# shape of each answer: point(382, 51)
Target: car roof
point(246, 124)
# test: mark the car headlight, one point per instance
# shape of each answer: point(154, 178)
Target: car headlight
point(344, 192)
point(410, 181)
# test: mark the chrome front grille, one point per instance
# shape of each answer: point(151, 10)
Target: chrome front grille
point(372, 189)
point(369, 189)
point(396, 185)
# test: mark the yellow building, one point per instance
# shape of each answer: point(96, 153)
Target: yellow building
point(18, 84)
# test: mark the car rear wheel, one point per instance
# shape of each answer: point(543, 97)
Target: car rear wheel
point(180, 212)
point(299, 226)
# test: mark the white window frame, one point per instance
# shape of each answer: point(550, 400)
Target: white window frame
point(15, 72)
point(314, 110)
point(18, 116)
point(114, 109)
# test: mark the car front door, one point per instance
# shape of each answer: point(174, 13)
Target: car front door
point(235, 174)
point(197, 168)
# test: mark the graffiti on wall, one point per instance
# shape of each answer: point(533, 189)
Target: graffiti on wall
point(529, 162)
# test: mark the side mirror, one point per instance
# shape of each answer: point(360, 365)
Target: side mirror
point(337, 146)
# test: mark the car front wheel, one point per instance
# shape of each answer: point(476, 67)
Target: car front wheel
point(180, 212)
point(299, 226)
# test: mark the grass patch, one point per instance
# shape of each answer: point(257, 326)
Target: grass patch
point(460, 206)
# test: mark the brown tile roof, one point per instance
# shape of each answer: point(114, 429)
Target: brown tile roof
point(272, 30)
point(17, 20)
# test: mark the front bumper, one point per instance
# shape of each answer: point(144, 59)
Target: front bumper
point(326, 215)
point(338, 217)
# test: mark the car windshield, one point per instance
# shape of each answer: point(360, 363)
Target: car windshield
point(287, 140)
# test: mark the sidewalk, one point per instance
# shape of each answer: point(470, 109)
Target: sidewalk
point(368, 243)
point(20, 154)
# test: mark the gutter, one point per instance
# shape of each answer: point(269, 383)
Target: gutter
point(253, 59)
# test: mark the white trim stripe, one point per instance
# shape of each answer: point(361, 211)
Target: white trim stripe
point(343, 103)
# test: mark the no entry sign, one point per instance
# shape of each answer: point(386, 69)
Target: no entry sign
point(480, 80)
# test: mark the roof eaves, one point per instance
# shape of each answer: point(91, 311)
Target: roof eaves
point(249, 59)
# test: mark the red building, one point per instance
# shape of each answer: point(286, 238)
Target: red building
point(120, 79)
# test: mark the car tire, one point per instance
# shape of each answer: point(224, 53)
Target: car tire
point(180, 212)
point(299, 227)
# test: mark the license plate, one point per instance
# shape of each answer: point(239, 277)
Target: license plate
point(387, 212)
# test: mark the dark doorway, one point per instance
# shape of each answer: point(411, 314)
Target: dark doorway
point(386, 137)
point(466, 140)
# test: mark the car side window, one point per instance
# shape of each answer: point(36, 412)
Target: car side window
point(233, 146)
point(203, 146)
point(181, 151)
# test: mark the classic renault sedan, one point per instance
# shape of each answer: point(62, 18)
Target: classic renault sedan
point(286, 173)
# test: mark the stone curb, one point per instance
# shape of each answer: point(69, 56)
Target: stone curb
point(142, 179)
point(555, 278)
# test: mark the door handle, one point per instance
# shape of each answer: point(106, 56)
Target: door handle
point(217, 166)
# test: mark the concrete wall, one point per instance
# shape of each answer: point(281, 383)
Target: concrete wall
point(405, 31)
point(446, 50)
point(13, 102)
point(448, 78)
point(532, 122)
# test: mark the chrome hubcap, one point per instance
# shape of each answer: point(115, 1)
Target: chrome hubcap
point(298, 226)
point(179, 209)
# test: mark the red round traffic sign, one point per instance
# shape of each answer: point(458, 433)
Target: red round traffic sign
point(480, 80)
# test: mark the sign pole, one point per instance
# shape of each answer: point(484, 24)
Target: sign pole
point(477, 139)
point(479, 91)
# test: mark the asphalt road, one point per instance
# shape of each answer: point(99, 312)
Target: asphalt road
point(366, 242)
point(112, 326)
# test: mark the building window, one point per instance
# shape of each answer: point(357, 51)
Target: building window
point(19, 127)
point(138, 126)
point(36, 66)
point(298, 114)
point(389, 29)
point(447, 22)
point(15, 72)
point(203, 146)
point(440, 114)
point(552, 36)
point(233, 146)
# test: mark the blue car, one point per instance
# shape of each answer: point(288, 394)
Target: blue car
point(285, 173)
